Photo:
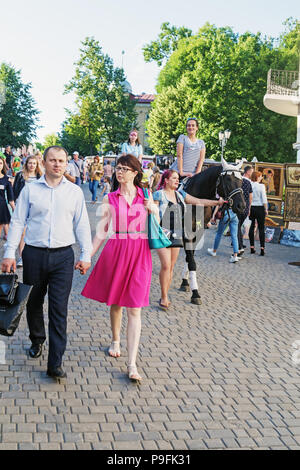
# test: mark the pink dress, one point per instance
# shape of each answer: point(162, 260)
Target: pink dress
point(122, 274)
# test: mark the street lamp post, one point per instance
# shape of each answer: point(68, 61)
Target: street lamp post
point(223, 138)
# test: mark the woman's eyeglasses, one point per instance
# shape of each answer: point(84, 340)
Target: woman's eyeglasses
point(123, 169)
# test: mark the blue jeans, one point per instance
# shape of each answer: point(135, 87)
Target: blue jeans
point(233, 225)
point(93, 185)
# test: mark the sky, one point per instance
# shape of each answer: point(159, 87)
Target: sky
point(42, 38)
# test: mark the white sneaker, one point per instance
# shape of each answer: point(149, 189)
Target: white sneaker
point(211, 252)
point(234, 259)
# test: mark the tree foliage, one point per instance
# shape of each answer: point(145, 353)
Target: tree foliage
point(220, 77)
point(167, 42)
point(76, 135)
point(104, 108)
point(51, 139)
point(18, 112)
point(289, 41)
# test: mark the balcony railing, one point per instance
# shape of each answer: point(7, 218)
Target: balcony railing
point(283, 82)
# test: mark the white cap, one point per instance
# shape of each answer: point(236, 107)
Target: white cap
point(75, 153)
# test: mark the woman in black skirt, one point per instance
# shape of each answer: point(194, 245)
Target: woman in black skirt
point(6, 194)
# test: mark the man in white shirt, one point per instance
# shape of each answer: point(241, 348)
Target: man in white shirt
point(70, 173)
point(54, 211)
point(77, 165)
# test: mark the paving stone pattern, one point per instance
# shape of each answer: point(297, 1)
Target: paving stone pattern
point(216, 376)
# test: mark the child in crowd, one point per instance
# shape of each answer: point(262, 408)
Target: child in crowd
point(106, 186)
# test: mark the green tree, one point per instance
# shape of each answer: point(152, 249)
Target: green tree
point(169, 111)
point(104, 108)
point(39, 146)
point(221, 78)
point(51, 139)
point(167, 42)
point(289, 41)
point(76, 135)
point(19, 114)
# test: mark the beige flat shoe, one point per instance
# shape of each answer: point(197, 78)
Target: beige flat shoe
point(133, 374)
point(114, 349)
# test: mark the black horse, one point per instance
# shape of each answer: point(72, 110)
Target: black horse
point(225, 180)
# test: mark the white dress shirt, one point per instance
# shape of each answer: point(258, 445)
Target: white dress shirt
point(259, 194)
point(53, 217)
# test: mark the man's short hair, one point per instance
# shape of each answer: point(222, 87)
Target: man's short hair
point(54, 147)
point(247, 168)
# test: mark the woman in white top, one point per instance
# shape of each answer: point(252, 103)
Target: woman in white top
point(133, 146)
point(258, 211)
point(190, 151)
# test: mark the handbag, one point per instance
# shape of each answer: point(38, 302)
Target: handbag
point(10, 314)
point(8, 287)
point(156, 237)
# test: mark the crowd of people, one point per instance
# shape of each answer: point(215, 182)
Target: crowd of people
point(50, 214)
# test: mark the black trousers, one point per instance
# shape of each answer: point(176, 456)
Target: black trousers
point(242, 219)
point(52, 271)
point(257, 213)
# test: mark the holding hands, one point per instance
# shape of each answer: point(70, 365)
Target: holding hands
point(83, 266)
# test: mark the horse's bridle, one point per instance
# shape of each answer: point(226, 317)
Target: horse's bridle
point(229, 197)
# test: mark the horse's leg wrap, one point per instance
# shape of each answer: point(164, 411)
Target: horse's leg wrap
point(193, 280)
point(185, 272)
point(185, 276)
point(196, 299)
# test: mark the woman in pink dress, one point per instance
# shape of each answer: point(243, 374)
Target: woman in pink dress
point(122, 274)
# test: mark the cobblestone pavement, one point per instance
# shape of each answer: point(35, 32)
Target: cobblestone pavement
point(216, 376)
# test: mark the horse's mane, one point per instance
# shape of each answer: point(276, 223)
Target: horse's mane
point(203, 185)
